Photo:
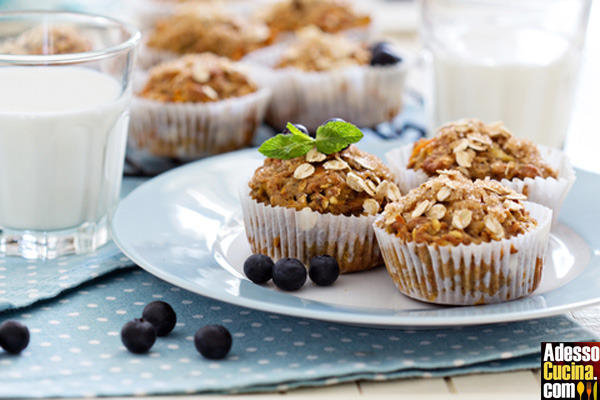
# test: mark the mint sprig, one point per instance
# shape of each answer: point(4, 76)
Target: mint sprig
point(332, 137)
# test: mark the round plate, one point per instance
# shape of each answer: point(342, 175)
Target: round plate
point(185, 226)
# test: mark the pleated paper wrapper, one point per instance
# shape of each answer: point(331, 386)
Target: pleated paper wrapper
point(188, 131)
point(472, 274)
point(285, 232)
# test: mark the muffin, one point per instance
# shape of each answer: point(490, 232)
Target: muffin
point(194, 106)
point(457, 241)
point(196, 28)
point(317, 204)
point(331, 16)
point(64, 39)
point(320, 74)
point(480, 150)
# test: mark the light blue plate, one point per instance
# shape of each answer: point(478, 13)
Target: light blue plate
point(185, 227)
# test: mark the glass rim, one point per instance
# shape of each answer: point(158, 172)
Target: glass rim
point(134, 36)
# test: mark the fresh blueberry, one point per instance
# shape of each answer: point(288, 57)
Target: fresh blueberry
point(300, 127)
point(323, 270)
point(376, 47)
point(258, 268)
point(289, 274)
point(138, 335)
point(161, 315)
point(213, 341)
point(14, 336)
point(384, 54)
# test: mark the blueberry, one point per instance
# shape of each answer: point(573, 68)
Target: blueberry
point(213, 341)
point(384, 54)
point(258, 268)
point(323, 270)
point(300, 127)
point(289, 274)
point(138, 335)
point(161, 315)
point(14, 336)
point(376, 47)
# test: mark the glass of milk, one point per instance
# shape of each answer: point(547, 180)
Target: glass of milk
point(65, 86)
point(514, 61)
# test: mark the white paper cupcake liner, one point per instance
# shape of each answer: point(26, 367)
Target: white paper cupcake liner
point(469, 274)
point(284, 232)
point(188, 131)
point(363, 95)
point(549, 192)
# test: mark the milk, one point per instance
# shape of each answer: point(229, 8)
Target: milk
point(62, 144)
point(525, 78)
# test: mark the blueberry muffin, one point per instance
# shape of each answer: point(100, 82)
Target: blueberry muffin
point(194, 106)
point(330, 16)
point(319, 74)
point(197, 28)
point(480, 150)
point(453, 240)
point(317, 204)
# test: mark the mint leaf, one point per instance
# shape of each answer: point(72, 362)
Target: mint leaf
point(336, 135)
point(286, 146)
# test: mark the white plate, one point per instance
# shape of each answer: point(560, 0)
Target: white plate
point(185, 227)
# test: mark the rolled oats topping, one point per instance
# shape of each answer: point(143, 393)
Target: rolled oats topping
point(471, 212)
point(314, 50)
point(479, 150)
point(348, 188)
point(197, 78)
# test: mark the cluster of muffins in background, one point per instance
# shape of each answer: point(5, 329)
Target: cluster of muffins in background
point(210, 72)
point(463, 218)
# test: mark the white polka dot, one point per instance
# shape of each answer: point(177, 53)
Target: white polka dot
point(54, 322)
point(316, 335)
point(184, 360)
point(195, 372)
point(112, 333)
point(269, 339)
point(346, 340)
point(173, 346)
point(458, 362)
point(94, 342)
point(425, 343)
point(45, 344)
point(73, 314)
point(329, 349)
point(146, 375)
point(55, 359)
point(83, 328)
point(157, 296)
point(105, 356)
point(263, 362)
point(239, 334)
point(360, 354)
point(187, 302)
point(101, 319)
point(311, 357)
point(256, 324)
point(166, 367)
point(121, 312)
point(111, 298)
point(286, 330)
point(506, 354)
point(251, 349)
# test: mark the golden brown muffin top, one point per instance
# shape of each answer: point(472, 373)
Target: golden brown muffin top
point(329, 15)
point(64, 39)
point(479, 150)
point(451, 209)
point(197, 27)
point(350, 182)
point(197, 78)
point(315, 50)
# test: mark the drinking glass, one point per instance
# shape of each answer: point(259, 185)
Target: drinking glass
point(66, 86)
point(514, 61)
